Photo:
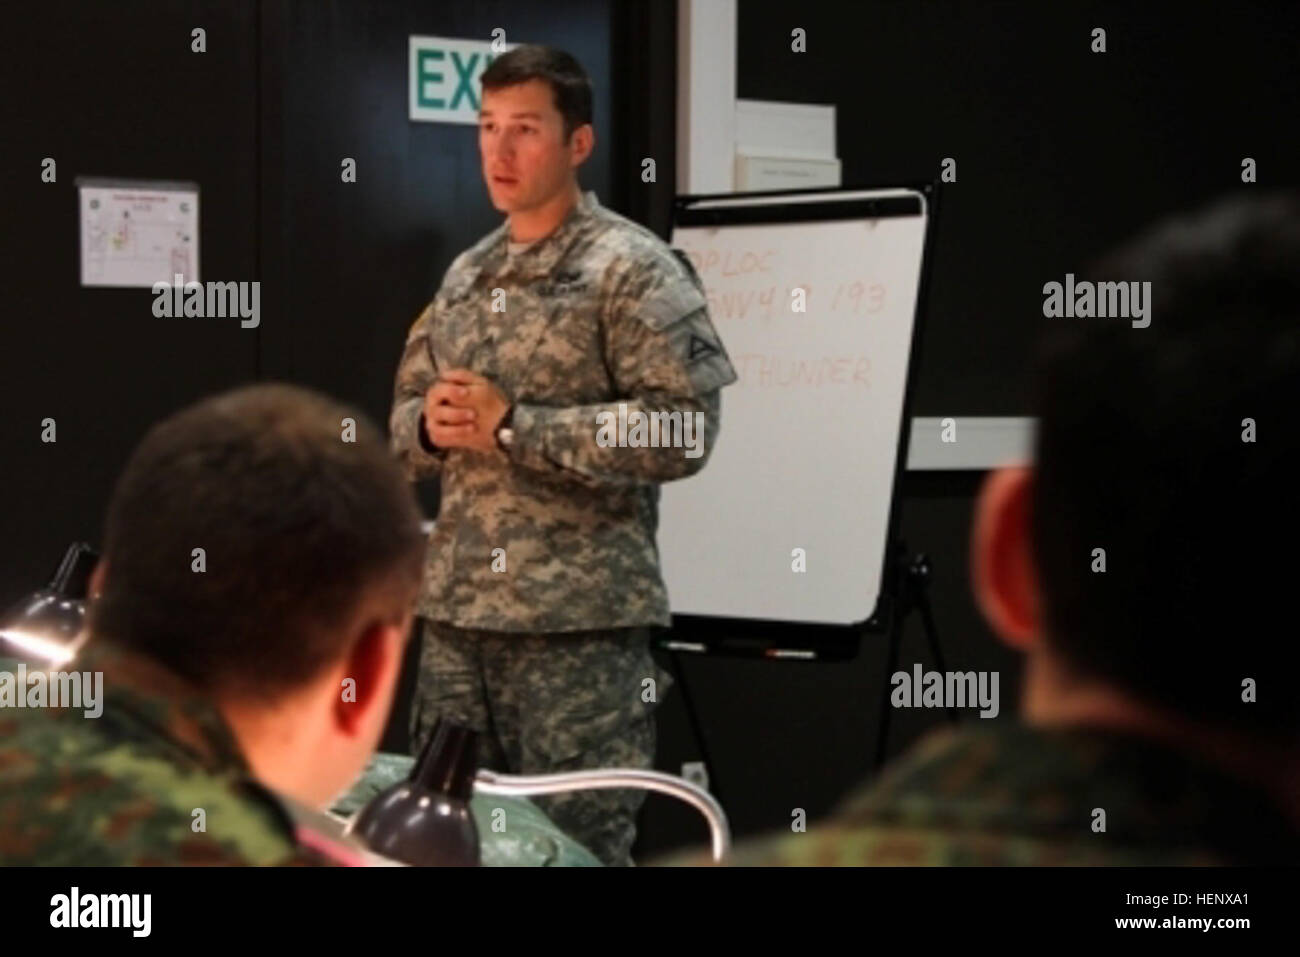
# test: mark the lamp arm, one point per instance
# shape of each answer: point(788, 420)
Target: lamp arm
point(513, 785)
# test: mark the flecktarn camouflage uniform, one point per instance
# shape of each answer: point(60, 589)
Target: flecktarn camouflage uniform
point(1013, 794)
point(122, 788)
point(543, 573)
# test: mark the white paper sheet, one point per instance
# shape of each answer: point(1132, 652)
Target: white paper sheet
point(138, 232)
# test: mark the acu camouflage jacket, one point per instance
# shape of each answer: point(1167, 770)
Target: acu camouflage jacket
point(598, 315)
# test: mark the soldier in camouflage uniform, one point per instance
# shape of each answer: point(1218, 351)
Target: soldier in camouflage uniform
point(225, 687)
point(123, 788)
point(543, 576)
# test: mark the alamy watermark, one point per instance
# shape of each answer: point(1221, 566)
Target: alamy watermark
point(133, 912)
point(53, 689)
point(946, 689)
point(658, 429)
point(212, 300)
point(1084, 300)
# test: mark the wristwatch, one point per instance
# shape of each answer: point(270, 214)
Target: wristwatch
point(505, 435)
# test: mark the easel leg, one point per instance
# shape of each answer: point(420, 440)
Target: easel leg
point(932, 639)
point(891, 665)
point(911, 581)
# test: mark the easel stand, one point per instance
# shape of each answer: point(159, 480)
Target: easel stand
point(909, 590)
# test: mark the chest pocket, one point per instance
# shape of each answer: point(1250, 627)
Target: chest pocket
point(545, 347)
point(566, 362)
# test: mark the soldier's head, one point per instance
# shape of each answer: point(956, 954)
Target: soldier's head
point(1144, 556)
point(265, 546)
point(534, 126)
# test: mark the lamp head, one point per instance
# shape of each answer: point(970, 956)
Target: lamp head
point(48, 626)
point(426, 819)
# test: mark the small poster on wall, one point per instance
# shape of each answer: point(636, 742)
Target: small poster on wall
point(138, 232)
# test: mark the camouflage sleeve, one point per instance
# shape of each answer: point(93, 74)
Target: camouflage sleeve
point(668, 366)
point(415, 374)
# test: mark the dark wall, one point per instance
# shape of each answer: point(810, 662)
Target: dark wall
point(1059, 151)
point(110, 90)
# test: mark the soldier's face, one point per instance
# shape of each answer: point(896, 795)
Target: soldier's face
point(526, 160)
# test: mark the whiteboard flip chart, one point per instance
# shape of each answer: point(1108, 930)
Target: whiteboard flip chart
point(808, 451)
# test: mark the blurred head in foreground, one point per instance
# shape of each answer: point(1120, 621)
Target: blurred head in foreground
point(294, 616)
point(1166, 456)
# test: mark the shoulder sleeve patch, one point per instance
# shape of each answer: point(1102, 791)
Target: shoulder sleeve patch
point(677, 308)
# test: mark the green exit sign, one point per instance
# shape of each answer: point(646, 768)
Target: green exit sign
point(445, 77)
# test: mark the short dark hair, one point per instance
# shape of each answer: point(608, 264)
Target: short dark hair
point(570, 85)
point(298, 523)
point(1140, 451)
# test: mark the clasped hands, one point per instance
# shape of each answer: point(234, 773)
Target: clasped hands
point(462, 410)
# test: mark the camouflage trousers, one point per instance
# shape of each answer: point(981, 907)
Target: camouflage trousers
point(550, 702)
